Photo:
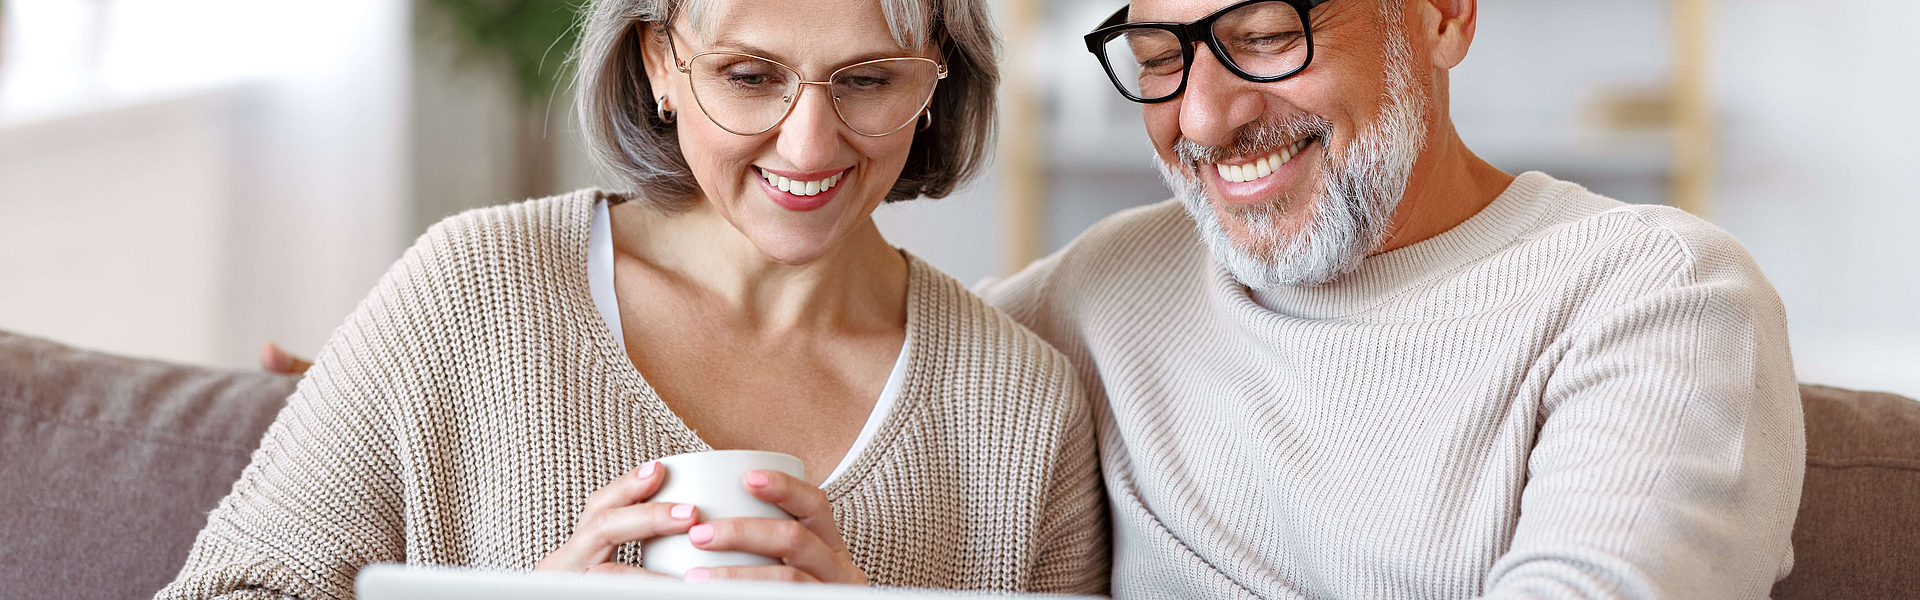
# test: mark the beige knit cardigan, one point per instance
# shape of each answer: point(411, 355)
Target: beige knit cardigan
point(464, 411)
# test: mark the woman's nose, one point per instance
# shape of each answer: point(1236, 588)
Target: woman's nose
point(810, 137)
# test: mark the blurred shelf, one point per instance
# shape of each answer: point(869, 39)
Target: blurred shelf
point(1620, 154)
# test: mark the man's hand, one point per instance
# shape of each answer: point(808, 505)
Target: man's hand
point(275, 360)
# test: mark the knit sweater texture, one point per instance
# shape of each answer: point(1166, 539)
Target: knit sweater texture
point(467, 407)
point(1562, 397)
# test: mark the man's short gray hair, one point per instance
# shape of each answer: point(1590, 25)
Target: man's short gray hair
point(617, 107)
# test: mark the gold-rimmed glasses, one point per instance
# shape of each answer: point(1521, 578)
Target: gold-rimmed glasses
point(750, 95)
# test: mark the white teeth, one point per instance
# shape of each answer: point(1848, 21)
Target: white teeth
point(1262, 166)
point(801, 188)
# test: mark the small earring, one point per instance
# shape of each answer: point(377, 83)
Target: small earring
point(660, 110)
point(926, 120)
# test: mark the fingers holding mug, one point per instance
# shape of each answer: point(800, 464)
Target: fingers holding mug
point(795, 545)
point(614, 515)
point(805, 501)
point(713, 480)
point(636, 485)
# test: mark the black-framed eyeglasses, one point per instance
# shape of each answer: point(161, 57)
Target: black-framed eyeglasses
point(1262, 41)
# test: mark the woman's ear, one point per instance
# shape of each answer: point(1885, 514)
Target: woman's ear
point(658, 58)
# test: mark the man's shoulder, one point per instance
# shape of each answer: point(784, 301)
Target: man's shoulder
point(1635, 237)
point(1103, 272)
point(1593, 255)
point(1132, 244)
point(1137, 229)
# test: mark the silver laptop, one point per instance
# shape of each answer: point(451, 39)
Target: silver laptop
point(401, 582)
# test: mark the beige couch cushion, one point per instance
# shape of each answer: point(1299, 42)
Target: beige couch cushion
point(1858, 534)
point(110, 464)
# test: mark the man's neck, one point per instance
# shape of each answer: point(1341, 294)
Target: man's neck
point(1449, 185)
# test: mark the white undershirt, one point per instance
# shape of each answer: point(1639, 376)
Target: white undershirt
point(600, 282)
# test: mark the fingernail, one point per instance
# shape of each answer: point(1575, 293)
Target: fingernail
point(276, 359)
point(681, 511)
point(647, 470)
point(758, 479)
point(698, 575)
point(700, 534)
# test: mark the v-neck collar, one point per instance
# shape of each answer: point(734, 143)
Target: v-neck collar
point(875, 434)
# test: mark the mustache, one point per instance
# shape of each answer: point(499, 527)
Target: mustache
point(1254, 139)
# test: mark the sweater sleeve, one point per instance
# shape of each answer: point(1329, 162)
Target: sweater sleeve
point(1670, 451)
point(322, 497)
point(1072, 542)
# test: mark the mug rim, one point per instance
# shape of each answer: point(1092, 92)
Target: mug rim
point(730, 451)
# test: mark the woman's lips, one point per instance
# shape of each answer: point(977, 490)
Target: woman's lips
point(1244, 183)
point(804, 191)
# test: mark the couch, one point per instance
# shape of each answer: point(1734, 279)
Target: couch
point(108, 466)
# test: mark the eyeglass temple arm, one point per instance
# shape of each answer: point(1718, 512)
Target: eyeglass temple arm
point(674, 50)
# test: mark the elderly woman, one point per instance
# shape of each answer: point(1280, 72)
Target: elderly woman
point(496, 400)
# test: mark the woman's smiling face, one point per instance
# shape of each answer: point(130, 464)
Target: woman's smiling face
point(814, 37)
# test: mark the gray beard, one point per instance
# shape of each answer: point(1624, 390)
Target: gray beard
point(1361, 192)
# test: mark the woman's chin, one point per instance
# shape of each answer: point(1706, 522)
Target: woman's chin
point(798, 238)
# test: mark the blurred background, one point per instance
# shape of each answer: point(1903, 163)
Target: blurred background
point(185, 179)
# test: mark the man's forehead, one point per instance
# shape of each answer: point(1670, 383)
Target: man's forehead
point(1177, 11)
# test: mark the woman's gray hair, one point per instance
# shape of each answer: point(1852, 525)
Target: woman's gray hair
point(617, 107)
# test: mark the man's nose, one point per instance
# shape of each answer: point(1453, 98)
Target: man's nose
point(810, 137)
point(1216, 102)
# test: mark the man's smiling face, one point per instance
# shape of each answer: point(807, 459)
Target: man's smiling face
point(1336, 144)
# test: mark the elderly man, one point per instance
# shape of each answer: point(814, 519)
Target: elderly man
point(1351, 359)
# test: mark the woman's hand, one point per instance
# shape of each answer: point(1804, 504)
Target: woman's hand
point(617, 514)
point(809, 546)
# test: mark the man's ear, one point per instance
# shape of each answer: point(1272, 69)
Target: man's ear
point(1448, 26)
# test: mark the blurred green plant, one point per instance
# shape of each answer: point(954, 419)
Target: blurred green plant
point(535, 36)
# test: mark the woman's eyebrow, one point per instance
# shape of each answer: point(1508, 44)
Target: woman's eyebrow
point(728, 44)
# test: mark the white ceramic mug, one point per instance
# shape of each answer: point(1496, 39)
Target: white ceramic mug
point(715, 483)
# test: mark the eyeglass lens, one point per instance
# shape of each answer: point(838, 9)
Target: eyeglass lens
point(1264, 39)
point(748, 95)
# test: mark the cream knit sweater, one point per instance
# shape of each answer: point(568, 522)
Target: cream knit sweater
point(1563, 397)
point(473, 400)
